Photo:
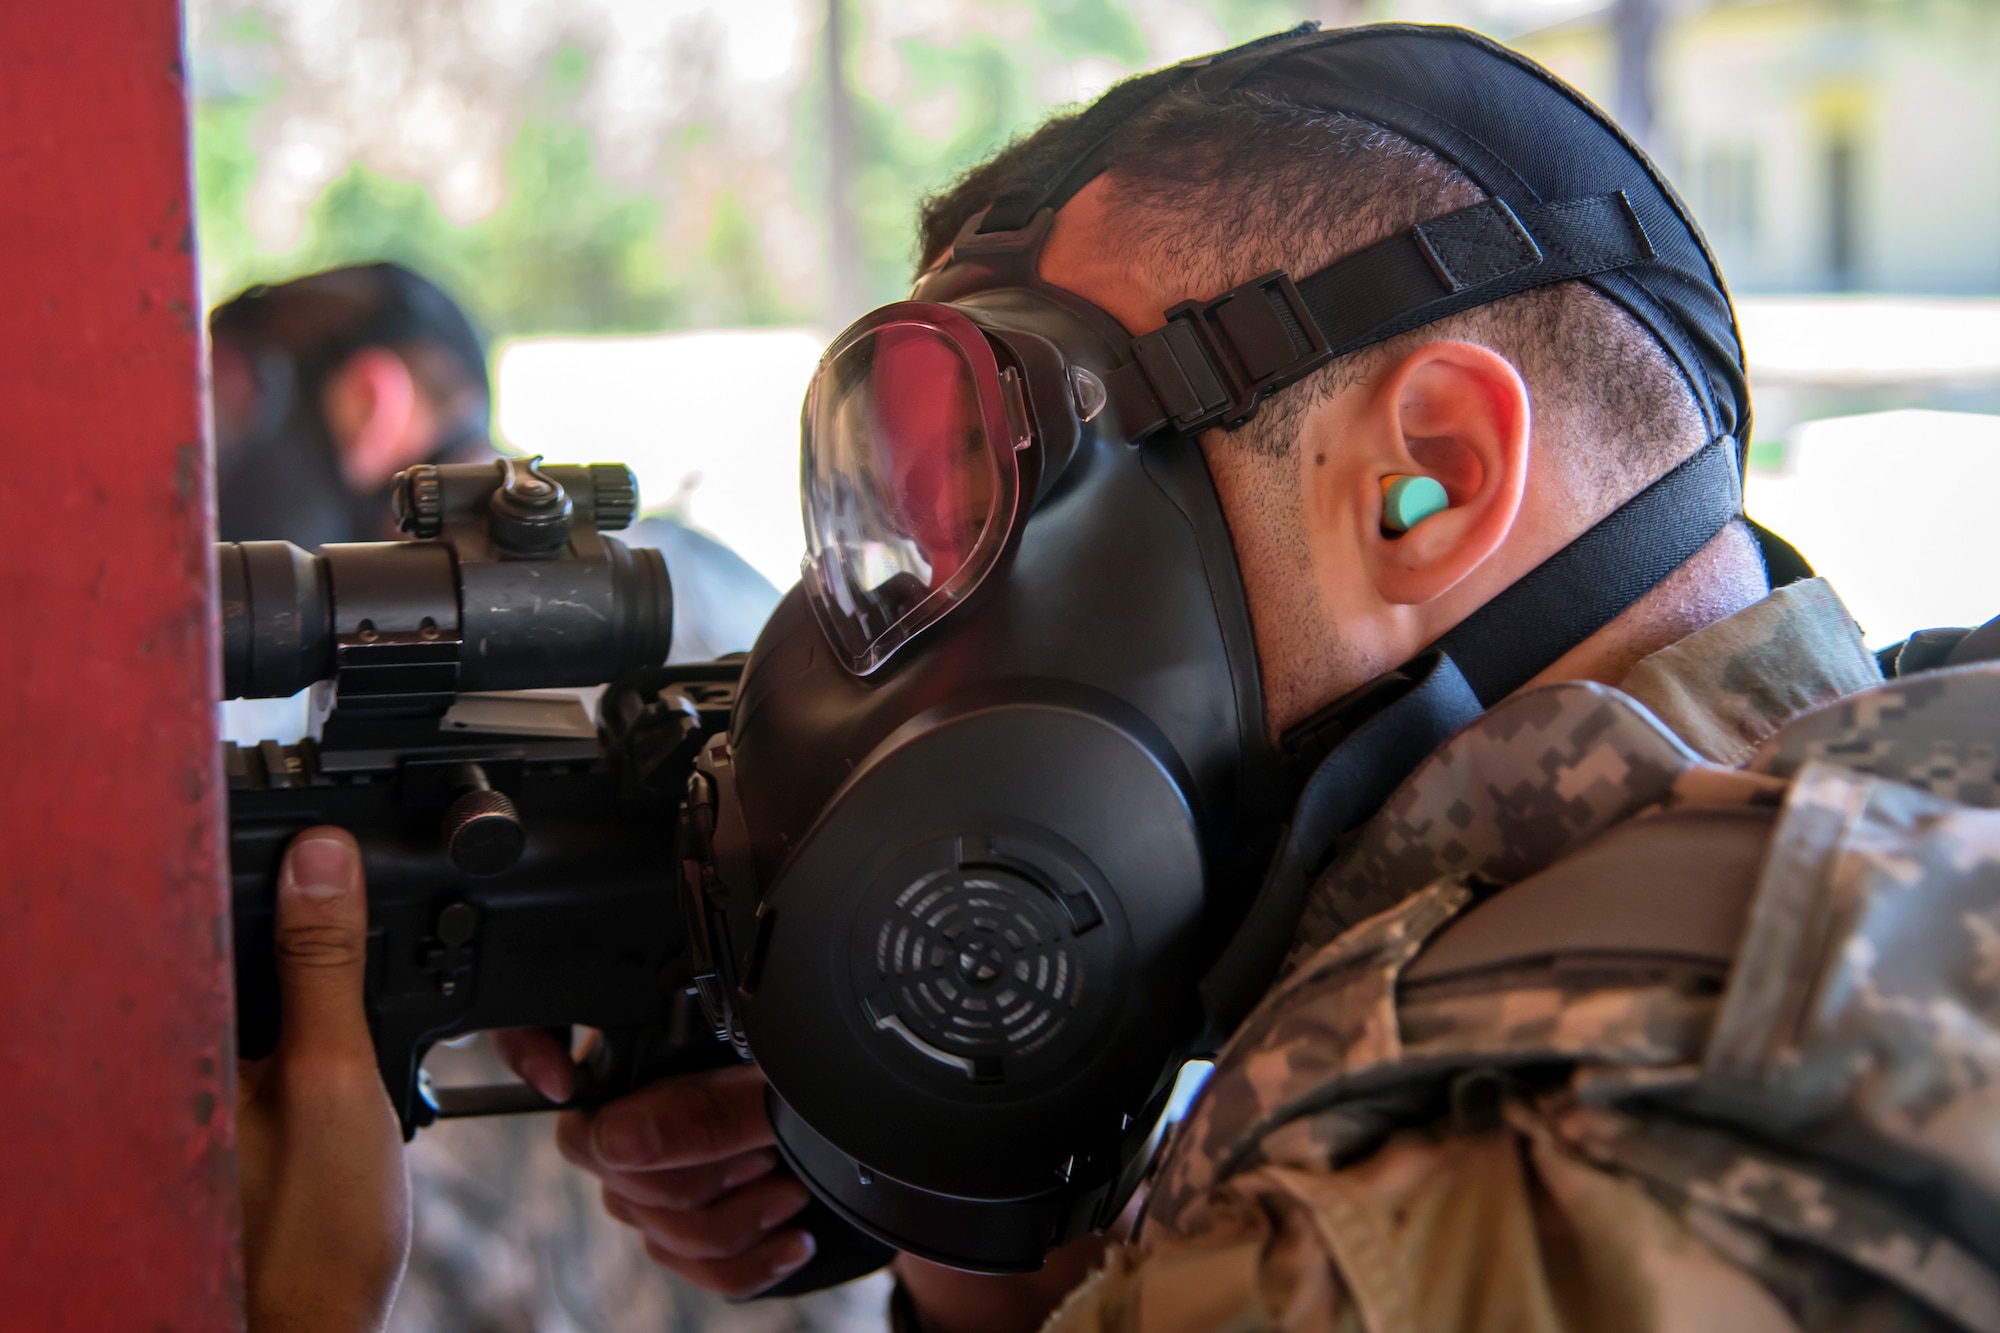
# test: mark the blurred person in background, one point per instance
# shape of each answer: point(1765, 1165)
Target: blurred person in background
point(326, 387)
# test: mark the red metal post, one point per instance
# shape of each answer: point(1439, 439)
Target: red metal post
point(117, 1147)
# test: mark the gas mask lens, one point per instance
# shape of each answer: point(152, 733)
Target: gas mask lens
point(910, 481)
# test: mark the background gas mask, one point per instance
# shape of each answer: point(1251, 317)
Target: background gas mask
point(999, 836)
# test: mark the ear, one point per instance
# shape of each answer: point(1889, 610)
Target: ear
point(1458, 413)
point(376, 416)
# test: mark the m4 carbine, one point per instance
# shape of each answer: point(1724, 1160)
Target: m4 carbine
point(519, 862)
point(527, 865)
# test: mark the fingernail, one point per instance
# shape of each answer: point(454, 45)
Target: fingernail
point(627, 1138)
point(784, 1208)
point(745, 1171)
point(319, 868)
point(795, 1255)
point(548, 1077)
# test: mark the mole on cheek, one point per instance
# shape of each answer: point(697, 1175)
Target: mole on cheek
point(1319, 460)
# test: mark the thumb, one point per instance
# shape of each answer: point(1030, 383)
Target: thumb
point(322, 943)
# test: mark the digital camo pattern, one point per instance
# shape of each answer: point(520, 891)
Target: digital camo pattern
point(1863, 1017)
point(1725, 688)
point(1790, 1197)
point(1330, 1034)
point(1865, 1002)
point(1939, 730)
point(1545, 771)
point(1538, 776)
point(1329, 1019)
point(1314, 1087)
point(1506, 1227)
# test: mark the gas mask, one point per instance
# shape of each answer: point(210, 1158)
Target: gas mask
point(999, 836)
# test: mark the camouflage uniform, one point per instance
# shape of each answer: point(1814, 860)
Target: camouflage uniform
point(1724, 1053)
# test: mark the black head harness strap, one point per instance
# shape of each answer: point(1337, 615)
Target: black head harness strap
point(1214, 362)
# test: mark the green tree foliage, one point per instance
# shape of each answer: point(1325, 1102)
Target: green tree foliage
point(563, 252)
point(990, 85)
point(566, 250)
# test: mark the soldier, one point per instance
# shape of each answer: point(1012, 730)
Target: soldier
point(1627, 1006)
point(1539, 413)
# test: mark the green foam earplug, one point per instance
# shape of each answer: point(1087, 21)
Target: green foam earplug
point(1408, 501)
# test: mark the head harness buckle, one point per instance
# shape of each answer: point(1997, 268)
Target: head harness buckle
point(1213, 362)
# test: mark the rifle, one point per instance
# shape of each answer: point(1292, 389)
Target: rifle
point(523, 859)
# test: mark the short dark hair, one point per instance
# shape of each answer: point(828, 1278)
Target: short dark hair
point(1217, 187)
point(321, 319)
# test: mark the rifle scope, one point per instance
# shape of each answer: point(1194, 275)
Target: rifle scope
point(507, 586)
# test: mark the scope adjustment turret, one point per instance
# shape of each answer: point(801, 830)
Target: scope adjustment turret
point(614, 495)
point(419, 501)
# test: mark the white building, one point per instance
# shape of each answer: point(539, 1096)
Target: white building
point(1826, 145)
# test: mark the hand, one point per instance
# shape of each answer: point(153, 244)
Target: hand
point(688, 1161)
point(326, 1197)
